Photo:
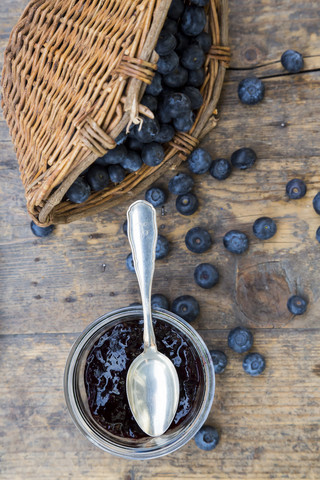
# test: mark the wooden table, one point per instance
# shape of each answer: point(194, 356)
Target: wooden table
point(52, 288)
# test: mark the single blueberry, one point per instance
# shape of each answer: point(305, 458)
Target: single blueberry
point(155, 87)
point(182, 42)
point(219, 360)
point(129, 263)
point(113, 156)
point(187, 204)
point(116, 173)
point(264, 228)
point(193, 20)
point(251, 90)
point(41, 231)
point(159, 301)
point(193, 57)
point(97, 177)
point(220, 169)
point(206, 275)
point(167, 63)
point(150, 102)
point(243, 158)
point(152, 154)
point(199, 161)
point(236, 242)
point(162, 247)
point(79, 191)
point(318, 234)
point(254, 364)
point(194, 95)
point(292, 61)
point(125, 227)
point(296, 188)
point(204, 41)
point(297, 305)
point(147, 131)
point(176, 9)
point(240, 339)
point(166, 133)
point(171, 26)
point(198, 240)
point(132, 161)
point(166, 43)
point(183, 122)
point(207, 438)
point(156, 196)
point(177, 78)
point(176, 103)
point(196, 77)
point(181, 184)
point(316, 203)
point(186, 307)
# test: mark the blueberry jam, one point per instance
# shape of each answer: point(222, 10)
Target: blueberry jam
point(107, 365)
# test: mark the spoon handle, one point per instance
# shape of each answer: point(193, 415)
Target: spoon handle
point(142, 235)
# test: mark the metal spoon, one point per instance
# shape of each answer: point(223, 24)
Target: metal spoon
point(152, 380)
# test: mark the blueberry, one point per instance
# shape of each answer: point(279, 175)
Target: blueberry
point(79, 191)
point(193, 57)
point(206, 275)
point(243, 158)
point(163, 115)
point(235, 241)
point(254, 364)
point(166, 133)
point(193, 20)
point(134, 144)
point(196, 77)
point(296, 188)
point(162, 247)
point(176, 9)
point(122, 137)
point(132, 161)
point(41, 231)
point(207, 438)
point(125, 227)
point(199, 161)
point(240, 339)
point(116, 173)
point(97, 177)
point(204, 41)
point(187, 204)
point(219, 360)
point(167, 63)
point(200, 3)
point(194, 95)
point(155, 87)
point(146, 132)
point(177, 78)
point(182, 42)
point(152, 154)
point(318, 234)
point(297, 305)
point(171, 26)
point(176, 103)
point(251, 90)
point(184, 122)
point(129, 263)
point(150, 102)
point(166, 43)
point(181, 184)
point(264, 228)
point(113, 156)
point(292, 61)
point(198, 240)
point(186, 307)
point(159, 301)
point(316, 203)
point(220, 169)
point(156, 196)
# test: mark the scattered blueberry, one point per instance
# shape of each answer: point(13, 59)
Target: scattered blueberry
point(198, 240)
point(240, 339)
point(181, 184)
point(41, 231)
point(176, 9)
point(166, 133)
point(177, 78)
point(194, 95)
point(196, 77)
point(220, 169)
point(129, 263)
point(150, 102)
point(184, 122)
point(116, 173)
point(162, 247)
point(79, 191)
point(125, 227)
point(251, 90)
point(207, 438)
point(297, 305)
point(199, 161)
point(296, 188)
point(152, 154)
point(316, 203)
point(204, 41)
point(155, 87)
point(187, 204)
point(292, 61)
point(254, 364)
point(156, 196)
point(264, 228)
point(193, 21)
point(243, 158)
point(206, 275)
point(167, 63)
point(159, 301)
point(186, 307)
point(146, 132)
point(166, 43)
point(235, 241)
point(219, 360)
point(318, 234)
point(113, 156)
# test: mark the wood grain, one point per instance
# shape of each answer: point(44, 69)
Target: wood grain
point(52, 288)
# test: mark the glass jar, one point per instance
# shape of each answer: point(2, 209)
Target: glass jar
point(148, 447)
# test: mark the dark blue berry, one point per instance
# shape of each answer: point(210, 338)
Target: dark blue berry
point(184, 122)
point(219, 360)
point(194, 95)
point(166, 133)
point(193, 57)
point(155, 87)
point(113, 156)
point(166, 43)
point(152, 154)
point(297, 305)
point(198, 240)
point(41, 231)
point(254, 364)
point(264, 228)
point(167, 63)
point(116, 173)
point(129, 263)
point(251, 90)
point(125, 227)
point(132, 161)
point(134, 144)
point(181, 184)
point(159, 301)
point(240, 339)
point(316, 203)
point(292, 61)
point(220, 169)
point(318, 234)
point(176, 9)
point(199, 161)
point(204, 41)
point(182, 42)
point(187, 204)
point(177, 78)
point(156, 196)
point(296, 188)
point(97, 177)
point(176, 103)
point(163, 115)
point(196, 77)
point(122, 137)
point(207, 438)
point(186, 307)
point(150, 102)
point(206, 275)
point(200, 3)
point(171, 26)
point(79, 191)
point(162, 247)
point(243, 158)
point(193, 21)
point(235, 241)
point(146, 132)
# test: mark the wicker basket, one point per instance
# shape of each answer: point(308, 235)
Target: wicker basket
point(74, 74)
